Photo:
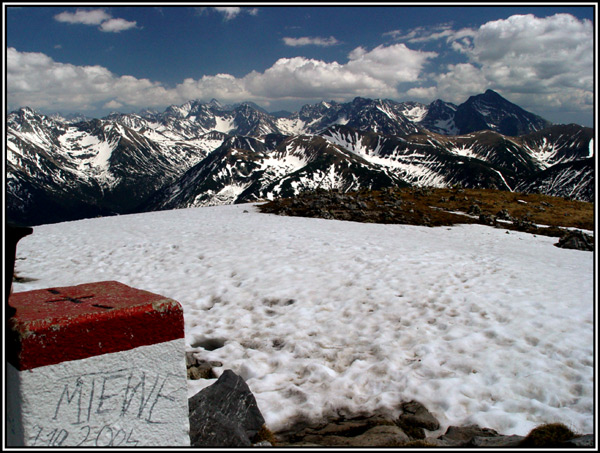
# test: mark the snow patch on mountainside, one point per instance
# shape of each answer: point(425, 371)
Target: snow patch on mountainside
point(224, 124)
point(464, 151)
point(415, 113)
point(290, 126)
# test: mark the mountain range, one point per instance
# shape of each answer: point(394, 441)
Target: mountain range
point(201, 154)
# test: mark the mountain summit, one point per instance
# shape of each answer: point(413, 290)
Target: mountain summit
point(200, 154)
point(491, 111)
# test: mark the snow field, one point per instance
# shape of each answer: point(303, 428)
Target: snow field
point(324, 317)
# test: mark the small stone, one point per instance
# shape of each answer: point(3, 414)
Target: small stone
point(415, 414)
point(463, 435)
point(381, 436)
point(585, 441)
point(474, 210)
point(503, 214)
point(496, 442)
point(200, 372)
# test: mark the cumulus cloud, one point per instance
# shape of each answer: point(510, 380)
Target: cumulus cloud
point(36, 80)
point(539, 63)
point(96, 17)
point(543, 64)
point(86, 17)
point(308, 41)
point(555, 49)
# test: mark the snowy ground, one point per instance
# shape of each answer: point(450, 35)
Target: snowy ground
point(320, 316)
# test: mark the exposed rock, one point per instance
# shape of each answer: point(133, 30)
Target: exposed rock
point(577, 240)
point(375, 431)
point(487, 219)
point(496, 441)
point(199, 368)
point(415, 414)
point(503, 215)
point(224, 414)
point(585, 441)
point(378, 436)
point(461, 436)
point(474, 210)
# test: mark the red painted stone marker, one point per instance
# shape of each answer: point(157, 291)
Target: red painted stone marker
point(75, 322)
point(99, 364)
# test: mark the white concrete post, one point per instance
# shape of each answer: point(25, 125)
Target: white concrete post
point(96, 365)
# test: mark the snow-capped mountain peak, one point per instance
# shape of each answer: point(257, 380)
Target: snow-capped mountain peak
point(206, 153)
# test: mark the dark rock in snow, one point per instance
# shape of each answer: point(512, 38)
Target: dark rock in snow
point(224, 414)
point(461, 436)
point(585, 441)
point(415, 414)
point(496, 441)
point(577, 240)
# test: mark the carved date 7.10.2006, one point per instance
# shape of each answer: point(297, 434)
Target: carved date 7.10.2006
point(84, 436)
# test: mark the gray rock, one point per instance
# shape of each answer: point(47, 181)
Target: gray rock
point(213, 429)
point(377, 436)
point(504, 215)
point(415, 414)
point(474, 210)
point(203, 371)
point(462, 436)
point(496, 441)
point(585, 441)
point(381, 436)
point(576, 240)
point(199, 368)
point(441, 442)
point(487, 219)
point(224, 414)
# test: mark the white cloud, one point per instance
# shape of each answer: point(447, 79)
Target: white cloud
point(96, 17)
point(229, 12)
point(86, 17)
point(113, 105)
point(422, 34)
point(36, 80)
point(539, 63)
point(461, 81)
point(542, 64)
point(117, 25)
point(307, 41)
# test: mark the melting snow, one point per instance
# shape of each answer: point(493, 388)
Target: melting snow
point(224, 124)
point(321, 315)
point(416, 113)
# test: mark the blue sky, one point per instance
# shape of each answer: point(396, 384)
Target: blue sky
point(94, 59)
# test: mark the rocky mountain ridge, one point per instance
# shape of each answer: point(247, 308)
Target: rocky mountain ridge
point(200, 154)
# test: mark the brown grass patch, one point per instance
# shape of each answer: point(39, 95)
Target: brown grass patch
point(534, 213)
